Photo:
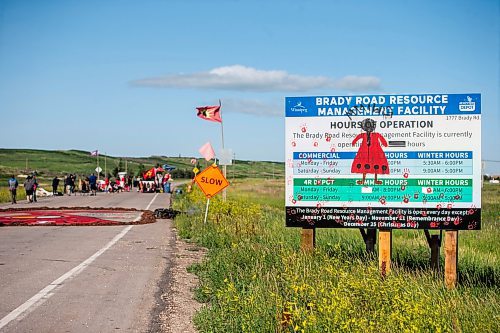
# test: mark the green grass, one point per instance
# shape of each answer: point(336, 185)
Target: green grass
point(255, 278)
point(5, 194)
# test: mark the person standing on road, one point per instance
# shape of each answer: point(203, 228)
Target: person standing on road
point(29, 183)
point(55, 184)
point(93, 184)
point(35, 186)
point(166, 183)
point(72, 180)
point(66, 185)
point(13, 184)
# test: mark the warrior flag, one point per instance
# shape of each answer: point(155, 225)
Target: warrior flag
point(211, 113)
point(149, 174)
point(94, 153)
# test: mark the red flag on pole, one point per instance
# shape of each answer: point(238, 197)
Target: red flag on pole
point(149, 174)
point(211, 113)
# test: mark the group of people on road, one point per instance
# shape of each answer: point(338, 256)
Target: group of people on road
point(69, 184)
point(160, 183)
point(30, 186)
point(87, 185)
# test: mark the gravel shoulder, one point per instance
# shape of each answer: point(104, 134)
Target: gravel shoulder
point(176, 293)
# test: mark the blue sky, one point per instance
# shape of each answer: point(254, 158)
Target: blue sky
point(125, 77)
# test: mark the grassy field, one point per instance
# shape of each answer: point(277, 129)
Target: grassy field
point(255, 278)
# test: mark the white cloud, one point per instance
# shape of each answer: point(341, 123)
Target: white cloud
point(252, 107)
point(242, 78)
point(357, 83)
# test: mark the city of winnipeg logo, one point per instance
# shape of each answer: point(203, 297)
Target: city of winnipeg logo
point(468, 106)
point(298, 108)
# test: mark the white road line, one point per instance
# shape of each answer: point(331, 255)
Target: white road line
point(48, 291)
point(152, 201)
point(140, 215)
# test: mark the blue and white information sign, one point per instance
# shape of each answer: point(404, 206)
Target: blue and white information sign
point(384, 161)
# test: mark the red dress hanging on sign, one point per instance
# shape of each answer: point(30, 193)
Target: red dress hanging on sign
point(370, 157)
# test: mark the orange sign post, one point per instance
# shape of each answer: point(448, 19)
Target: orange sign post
point(211, 181)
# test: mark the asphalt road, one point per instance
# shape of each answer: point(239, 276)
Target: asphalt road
point(88, 278)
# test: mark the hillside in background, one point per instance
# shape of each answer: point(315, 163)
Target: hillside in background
point(49, 163)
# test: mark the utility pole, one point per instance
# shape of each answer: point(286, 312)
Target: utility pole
point(234, 162)
point(482, 174)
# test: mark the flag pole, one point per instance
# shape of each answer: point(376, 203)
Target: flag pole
point(221, 123)
point(97, 155)
point(224, 167)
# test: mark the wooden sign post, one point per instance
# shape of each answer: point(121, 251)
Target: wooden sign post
point(434, 242)
point(308, 239)
point(450, 258)
point(384, 251)
point(370, 239)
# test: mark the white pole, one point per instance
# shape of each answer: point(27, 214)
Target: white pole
point(221, 124)
point(206, 211)
point(224, 167)
point(224, 172)
point(98, 174)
